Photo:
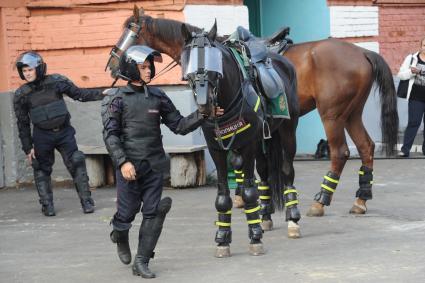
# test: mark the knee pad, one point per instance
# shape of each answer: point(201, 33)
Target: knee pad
point(223, 203)
point(250, 195)
point(78, 158)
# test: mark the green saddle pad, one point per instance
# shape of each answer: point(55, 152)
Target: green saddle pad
point(278, 107)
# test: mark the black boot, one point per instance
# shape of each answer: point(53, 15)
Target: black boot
point(123, 247)
point(44, 188)
point(149, 233)
point(81, 181)
point(87, 205)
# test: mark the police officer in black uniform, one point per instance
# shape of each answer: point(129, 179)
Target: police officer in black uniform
point(40, 101)
point(131, 117)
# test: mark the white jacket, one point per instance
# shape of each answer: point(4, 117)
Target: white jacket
point(405, 73)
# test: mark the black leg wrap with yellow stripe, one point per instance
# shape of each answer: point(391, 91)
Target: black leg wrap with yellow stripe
point(365, 183)
point(239, 182)
point(224, 232)
point(291, 204)
point(329, 185)
point(266, 205)
point(252, 209)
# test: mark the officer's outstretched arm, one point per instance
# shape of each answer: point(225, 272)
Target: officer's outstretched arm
point(66, 86)
point(178, 124)
point(111, 119)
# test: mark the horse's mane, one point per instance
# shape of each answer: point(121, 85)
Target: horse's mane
point(166, 28)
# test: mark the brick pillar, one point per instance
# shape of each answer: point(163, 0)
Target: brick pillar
point(14, 39)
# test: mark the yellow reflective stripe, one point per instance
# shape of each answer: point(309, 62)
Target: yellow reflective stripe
point(252, 210)
point(257, 181)
point(371, 182)
point(265, 197)
point(257, 104)
point(289, 191)
point(218, 223)
point(328, 188)
point(237, 171)
point(361, 172)
point(255, 221)
point(228, 212)
point(331, 179)
point(239, 180)
point(237, 132)
point(263, 188)
point(291, 203)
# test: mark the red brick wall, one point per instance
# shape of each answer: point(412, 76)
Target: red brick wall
point(400, 30)
point(75, 36)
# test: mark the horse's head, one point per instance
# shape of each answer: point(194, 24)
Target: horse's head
point(202, 66)
point(131, 35)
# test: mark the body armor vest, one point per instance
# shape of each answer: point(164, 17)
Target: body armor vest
point(47, 107)
point(141, 132)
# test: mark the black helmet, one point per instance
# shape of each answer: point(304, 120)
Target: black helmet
point(33, 60)
point(137, 54)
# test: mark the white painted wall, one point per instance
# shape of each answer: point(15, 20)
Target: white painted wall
point(354, 21)
point(369, 45)
point(228, 17)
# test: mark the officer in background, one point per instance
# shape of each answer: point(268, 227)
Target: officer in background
point(131, 117)
point(40, 101)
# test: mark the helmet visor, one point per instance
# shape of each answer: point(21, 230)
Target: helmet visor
point(139, 54)
point(29, 59)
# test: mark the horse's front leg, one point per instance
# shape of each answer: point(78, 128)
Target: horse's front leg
point(223, 204)
point(250, 197)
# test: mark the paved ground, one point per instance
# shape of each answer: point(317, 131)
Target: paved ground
point(386, 245)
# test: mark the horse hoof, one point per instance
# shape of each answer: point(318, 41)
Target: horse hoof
point(358, 209)
point(222, 251)
point(256, 249)
point(238, 202)
point(316, 210)
point(293, 230)
point(267, 225)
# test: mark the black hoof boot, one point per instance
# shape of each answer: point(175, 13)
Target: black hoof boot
point(123, 247)
point(141, 267)
point(48, 209)
point(87, 205)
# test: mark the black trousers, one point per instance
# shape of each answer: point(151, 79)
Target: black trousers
point(416, 115)
point(146, 190)
point(45, 143)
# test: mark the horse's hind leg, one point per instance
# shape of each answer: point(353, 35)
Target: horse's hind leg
point(289, 144)
point(366, 148)
point(236, 161)
point(339, 154)
point(223, 204)
point(266, 205)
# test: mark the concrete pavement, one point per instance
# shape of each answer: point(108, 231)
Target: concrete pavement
point(385, 245)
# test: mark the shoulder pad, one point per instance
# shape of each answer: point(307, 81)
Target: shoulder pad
point(112, 91)
point(56, 78)
point(25, 89)
point(156, 91)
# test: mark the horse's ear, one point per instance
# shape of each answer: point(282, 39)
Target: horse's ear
point(185, 33)
point(136, 13)
point(141, 12)
point(213, 31)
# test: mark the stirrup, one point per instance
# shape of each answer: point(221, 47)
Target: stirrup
point(266, 133)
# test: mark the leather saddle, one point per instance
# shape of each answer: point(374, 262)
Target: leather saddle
point(257, 50)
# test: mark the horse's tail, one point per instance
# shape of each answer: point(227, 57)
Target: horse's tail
point(389, 115)
point(274, 153)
